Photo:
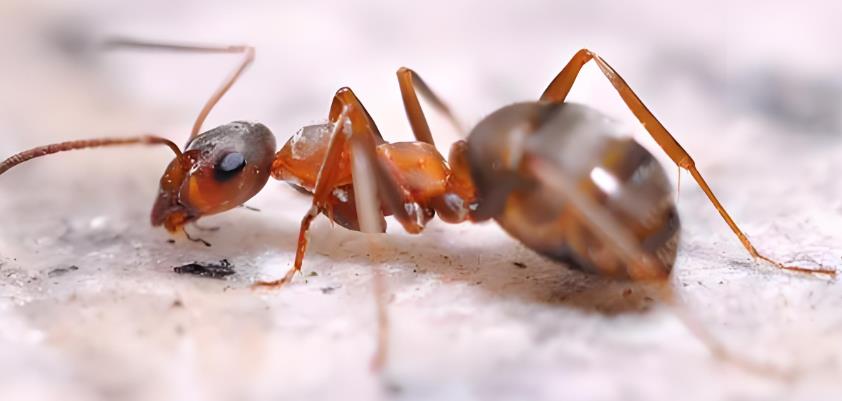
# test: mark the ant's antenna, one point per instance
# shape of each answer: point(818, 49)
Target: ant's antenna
point(85, 144)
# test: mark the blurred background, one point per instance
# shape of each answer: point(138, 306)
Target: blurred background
point(90, 308)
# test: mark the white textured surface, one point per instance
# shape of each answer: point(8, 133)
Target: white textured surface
point(738, 86)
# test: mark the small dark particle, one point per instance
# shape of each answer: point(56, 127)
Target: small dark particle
point(312, 274)
point(171, 241)
point(328, 290)
point(178, 303)
point(58, 271)
point(211, 270)
point(627, 292)
point(519, 265)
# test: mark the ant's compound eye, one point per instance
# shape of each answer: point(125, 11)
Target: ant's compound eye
point(229, 166)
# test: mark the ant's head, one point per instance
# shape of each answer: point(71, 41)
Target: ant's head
point(219, 170)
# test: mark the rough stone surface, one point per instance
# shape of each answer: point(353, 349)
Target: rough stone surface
point(90, 308)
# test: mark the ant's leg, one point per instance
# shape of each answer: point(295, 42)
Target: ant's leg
point(325, 183)
point(666, 293)
point(346, 97)
point(248, 57)
point(362, 126)
point(640, 265)
point(194, 239)
point(85, 144)
point(560, 86)
point(366, 173)
point(345, 109)
point(411, 83)
point(354, 130)
point(372, 181)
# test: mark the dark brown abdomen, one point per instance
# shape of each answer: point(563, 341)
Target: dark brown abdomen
point(614, 178)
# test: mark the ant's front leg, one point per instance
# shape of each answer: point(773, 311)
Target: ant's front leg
point(350, 119)
point(353, 125)
point(325, 183)
point(371, 182)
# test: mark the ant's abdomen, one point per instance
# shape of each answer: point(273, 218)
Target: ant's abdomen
point(600, 202)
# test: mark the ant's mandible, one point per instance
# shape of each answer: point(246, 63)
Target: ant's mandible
point(549, 172)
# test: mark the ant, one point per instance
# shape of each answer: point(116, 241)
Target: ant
point(549, 172)
point(552, 174)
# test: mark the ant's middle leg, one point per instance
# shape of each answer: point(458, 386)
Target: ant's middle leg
point(557, 92)
point(373, 182)
point(363, 128)
point(248, 57)
point(410, 84)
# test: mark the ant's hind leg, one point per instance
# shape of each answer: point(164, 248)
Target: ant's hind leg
point(411, 83)
point(557, 92)
point(248, 57)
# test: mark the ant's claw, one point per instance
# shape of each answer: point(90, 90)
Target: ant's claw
point(270, 285)
point(275, 284)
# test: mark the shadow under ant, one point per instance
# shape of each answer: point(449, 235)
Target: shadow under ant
point(512, 270)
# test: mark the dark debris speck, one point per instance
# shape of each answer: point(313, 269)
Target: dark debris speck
point(519, 265)
point(210, 270)
point(58, 271)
